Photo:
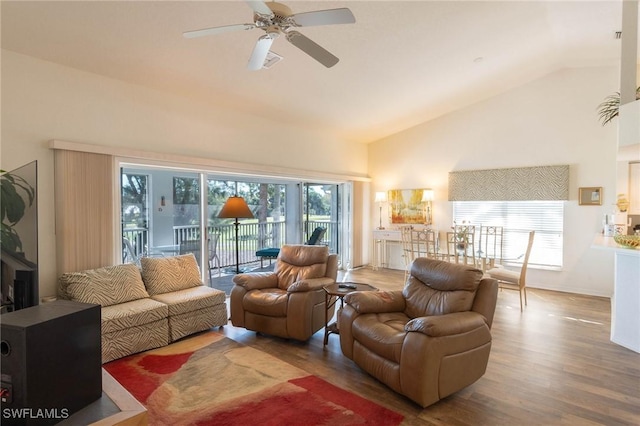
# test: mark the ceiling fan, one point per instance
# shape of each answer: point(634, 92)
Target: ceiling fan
point(276, 19)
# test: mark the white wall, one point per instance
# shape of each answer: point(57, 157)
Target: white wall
point(43, 101)
point(549, 121)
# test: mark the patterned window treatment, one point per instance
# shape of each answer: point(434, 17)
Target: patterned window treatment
point(84, 207)
point(514, 184)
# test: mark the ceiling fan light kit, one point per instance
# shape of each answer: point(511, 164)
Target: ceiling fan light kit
point(276, 19)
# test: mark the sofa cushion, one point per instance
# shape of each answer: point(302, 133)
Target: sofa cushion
point(131, 314)
point(191, 299)
point(167, 274)
point(104, 286)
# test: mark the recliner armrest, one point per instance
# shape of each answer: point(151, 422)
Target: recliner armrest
point(446, 325)
point(309, 284)
point(256, 280)
point(376, 301)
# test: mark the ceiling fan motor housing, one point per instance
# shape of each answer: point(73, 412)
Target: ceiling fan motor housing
point(281, 16)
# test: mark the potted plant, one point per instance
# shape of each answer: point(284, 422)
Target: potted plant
point(608, 109)
point(13, 207)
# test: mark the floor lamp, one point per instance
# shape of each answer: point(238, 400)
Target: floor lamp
point(236, 208)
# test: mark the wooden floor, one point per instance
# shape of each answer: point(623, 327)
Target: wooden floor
point(551, 365)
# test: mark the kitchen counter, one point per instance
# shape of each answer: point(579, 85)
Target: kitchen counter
point(625, 302)
point(607, 243)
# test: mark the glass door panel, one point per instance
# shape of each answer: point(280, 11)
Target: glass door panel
point(322, 208)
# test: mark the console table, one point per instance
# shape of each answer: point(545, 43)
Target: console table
point(380, 239)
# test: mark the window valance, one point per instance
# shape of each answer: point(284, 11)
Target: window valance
point(514, 184)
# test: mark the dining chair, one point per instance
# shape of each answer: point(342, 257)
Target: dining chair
point(514, 280)
point(129, 255)
point(424, 243)
point(407, 250)
point(461, 245)
point(490, 244)
point(418, 243)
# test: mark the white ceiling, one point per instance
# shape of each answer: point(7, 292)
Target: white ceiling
point(401, 63)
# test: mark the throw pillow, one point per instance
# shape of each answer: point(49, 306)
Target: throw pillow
point(166, 274)
point(105, 286)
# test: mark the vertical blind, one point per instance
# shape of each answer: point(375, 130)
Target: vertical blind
point(518, 218)
point(84, 185)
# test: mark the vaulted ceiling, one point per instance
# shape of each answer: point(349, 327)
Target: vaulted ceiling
point(401, 63)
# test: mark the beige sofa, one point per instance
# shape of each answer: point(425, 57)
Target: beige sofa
point(147, 307)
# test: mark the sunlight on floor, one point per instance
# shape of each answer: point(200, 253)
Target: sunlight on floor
point(576, 319)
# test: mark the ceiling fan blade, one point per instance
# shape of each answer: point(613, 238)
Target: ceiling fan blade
point(217, 30)
point(260, 53)
point(312, 49)
point(324, 17)
point(259, 7)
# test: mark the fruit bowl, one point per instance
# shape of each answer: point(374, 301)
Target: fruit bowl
point(629, 241)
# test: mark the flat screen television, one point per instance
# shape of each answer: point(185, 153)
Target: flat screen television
point(19, 243)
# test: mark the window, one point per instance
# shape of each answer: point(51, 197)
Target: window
point(186, 190)
point(135, 214)
point(321, 208)
point(518, 218)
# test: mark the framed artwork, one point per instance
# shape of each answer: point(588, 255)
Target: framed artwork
point(590, 196)
point(406, 206)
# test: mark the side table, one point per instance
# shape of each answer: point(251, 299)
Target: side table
point(338, 291)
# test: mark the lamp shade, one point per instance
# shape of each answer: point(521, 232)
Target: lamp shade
point(381, 197)
point(427, 195)
point(235, 207)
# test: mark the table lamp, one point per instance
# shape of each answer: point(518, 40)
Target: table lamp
point(427, 199)
point(235, 208)
point(381, 197)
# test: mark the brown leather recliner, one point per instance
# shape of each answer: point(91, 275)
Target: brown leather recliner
point(289, 302)
point(428, 340)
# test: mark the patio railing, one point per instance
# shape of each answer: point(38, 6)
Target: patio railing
point(139, 239)
point(251, 237)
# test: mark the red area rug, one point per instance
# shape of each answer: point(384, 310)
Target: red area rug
point(212, 380)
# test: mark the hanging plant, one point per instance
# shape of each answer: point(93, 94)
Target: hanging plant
point(608, 109)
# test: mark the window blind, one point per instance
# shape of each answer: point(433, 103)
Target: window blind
point(518, 218)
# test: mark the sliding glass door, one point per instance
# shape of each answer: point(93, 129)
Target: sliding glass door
point(166, 212)
point(322, 209)
point(265, 229)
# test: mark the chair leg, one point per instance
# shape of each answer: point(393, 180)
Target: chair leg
point(525, 295)
point(520, 293)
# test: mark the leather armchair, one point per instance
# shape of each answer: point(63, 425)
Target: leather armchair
point(428, 340)
point(290, 301)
